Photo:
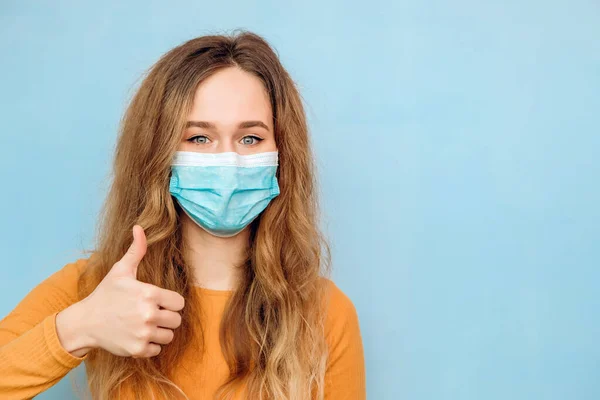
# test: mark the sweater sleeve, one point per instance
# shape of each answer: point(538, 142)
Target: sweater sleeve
point(32, 358)
point(345, 378)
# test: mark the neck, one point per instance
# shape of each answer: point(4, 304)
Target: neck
point(215, 260)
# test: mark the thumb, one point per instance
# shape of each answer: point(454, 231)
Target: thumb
point(135, 253)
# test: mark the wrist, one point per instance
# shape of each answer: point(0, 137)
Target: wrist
point(72, 329)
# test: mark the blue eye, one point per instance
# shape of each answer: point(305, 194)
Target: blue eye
point(200, 139)
point(251, 140)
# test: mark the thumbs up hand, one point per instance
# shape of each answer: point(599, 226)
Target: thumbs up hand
point(127, 266)
point(123, 315)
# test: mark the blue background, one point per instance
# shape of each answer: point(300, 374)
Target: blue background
point(458, 147)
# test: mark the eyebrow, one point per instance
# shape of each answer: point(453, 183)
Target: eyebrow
point(241, 125)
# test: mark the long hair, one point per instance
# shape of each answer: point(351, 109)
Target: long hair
point(272, 331)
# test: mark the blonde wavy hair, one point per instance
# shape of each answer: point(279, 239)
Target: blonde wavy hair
point(272, 331)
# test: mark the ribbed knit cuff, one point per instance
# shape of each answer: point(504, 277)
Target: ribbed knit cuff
point(55, 347)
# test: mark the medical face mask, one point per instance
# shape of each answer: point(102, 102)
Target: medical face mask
point(223, 192)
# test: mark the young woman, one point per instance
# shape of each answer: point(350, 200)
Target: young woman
point(209, 280)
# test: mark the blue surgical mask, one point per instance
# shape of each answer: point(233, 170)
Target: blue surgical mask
point(223, 192)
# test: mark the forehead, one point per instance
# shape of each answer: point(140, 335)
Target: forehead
point(231, 95)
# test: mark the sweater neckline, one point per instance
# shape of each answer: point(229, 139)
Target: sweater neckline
point(213, 292)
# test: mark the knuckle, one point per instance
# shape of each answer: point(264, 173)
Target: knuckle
point(144, 334)
point(122, 284)
point(149, 314)
point(138, 350)
point(148, 294)
point(119, 283)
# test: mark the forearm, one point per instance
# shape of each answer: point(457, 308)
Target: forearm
point(34, 361)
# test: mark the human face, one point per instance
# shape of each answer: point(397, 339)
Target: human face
point(231, 113)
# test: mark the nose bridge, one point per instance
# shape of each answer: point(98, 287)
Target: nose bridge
point(226, 141)
point(225, 145)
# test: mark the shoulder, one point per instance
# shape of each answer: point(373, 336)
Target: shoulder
point(341, 315)
point(345, 360)
point(66, 278)
point(59, 290)
point(53, 294)
point(61, 287)
point(70, 271)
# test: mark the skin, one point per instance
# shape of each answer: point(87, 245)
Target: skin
point(227, 99)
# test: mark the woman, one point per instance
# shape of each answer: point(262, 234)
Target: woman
point(222, 292)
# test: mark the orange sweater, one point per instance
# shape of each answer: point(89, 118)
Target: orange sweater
point(32, 358)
